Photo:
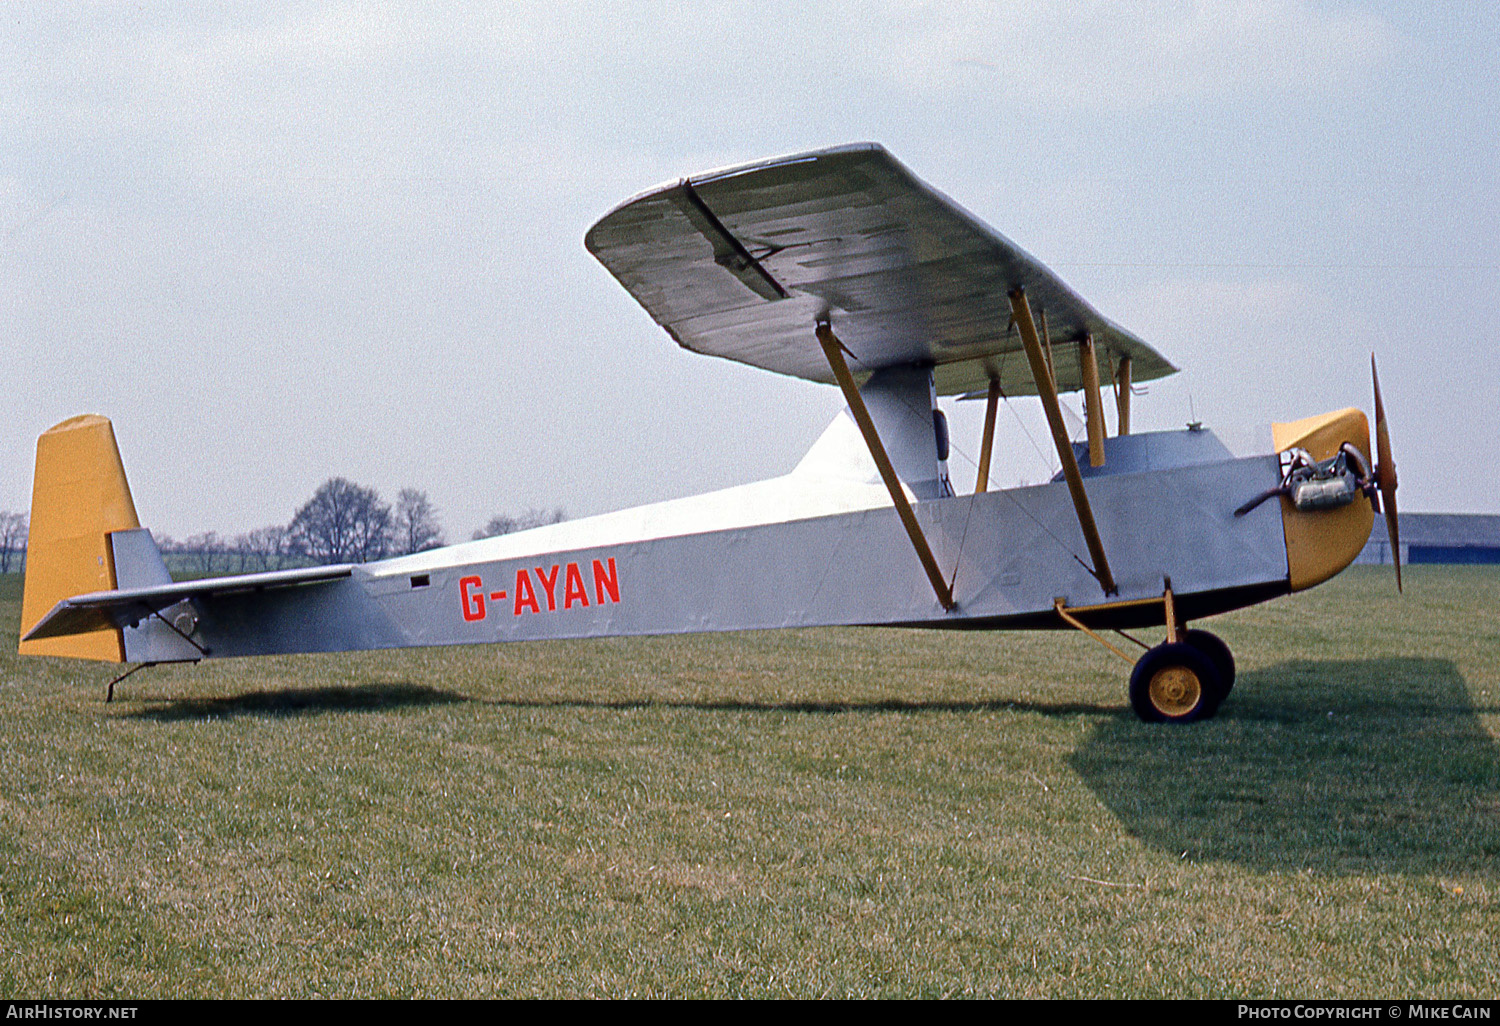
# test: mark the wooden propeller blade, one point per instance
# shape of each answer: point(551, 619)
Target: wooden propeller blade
point(1385, 474)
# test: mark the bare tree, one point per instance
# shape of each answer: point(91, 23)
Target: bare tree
point(265, 548)
point(13, 535)
point(342, 523)
point(416, 528)
point(202, 551)
point(504, 523)
point(244, 556)
point(174, 554)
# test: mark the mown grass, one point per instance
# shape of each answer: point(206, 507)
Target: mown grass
point(810, 813)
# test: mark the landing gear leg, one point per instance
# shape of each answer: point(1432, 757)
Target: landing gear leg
point(1184, 679)
point(1173, 688)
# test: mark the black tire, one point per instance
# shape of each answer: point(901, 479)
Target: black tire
point(1218, 653)
point(1174, 683)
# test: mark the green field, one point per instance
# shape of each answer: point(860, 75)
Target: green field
point(810, 813)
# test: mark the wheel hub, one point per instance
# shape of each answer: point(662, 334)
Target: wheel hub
point(1175, 690)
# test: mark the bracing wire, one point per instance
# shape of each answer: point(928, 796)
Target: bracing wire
point(969, 510)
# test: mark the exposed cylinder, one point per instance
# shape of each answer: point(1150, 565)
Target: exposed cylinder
point(1324, 493)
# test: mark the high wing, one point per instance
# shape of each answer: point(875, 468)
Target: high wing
point(742, 263)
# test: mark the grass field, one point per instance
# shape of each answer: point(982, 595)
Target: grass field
point(810, 813)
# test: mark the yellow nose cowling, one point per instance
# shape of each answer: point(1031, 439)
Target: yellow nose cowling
point(1320, 543)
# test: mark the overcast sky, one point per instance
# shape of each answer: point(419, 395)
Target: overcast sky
point(283, 241)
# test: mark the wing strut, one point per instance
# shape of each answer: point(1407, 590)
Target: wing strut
point(1122, 395)
point(987, 447)
point(1047, 390)
point(1088, 367)
point(1047, 345)
point(834, 350)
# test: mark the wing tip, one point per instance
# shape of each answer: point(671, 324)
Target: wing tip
point(591, 237)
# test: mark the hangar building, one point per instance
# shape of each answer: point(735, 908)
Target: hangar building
point(1438, 538)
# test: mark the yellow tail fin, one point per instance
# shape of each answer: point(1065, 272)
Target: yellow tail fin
point(78, 497)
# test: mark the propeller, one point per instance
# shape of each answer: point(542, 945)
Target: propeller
point(1385, 474)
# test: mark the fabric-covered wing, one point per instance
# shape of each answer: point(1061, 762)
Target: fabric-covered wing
point(742, 263)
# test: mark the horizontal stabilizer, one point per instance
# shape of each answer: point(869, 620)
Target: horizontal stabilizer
point(126, 607)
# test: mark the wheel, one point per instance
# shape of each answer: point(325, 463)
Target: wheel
point(1218, 653)
point(1174, 683)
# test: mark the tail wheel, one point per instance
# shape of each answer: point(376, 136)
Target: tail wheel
point(1175, 683)
point(1218, 653)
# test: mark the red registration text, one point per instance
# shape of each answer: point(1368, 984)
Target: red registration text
point(562, 586)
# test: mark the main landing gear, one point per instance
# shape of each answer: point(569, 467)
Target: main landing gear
point(1185, 678)
point(1182, 681)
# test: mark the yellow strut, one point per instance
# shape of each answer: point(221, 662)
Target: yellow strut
point(1122, 395)
point(1088, 366)
point(1047, 344)
point(992, 405)
point(834, 350)
point(1175, 628)
point(1047, 392)
point(1073, 621)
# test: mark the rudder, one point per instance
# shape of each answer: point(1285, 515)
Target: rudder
point(79, 496)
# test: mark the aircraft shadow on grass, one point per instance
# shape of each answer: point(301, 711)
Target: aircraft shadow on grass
point(815, 708)
point(301, 702)
point(1372, 766)
point(374, 697)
